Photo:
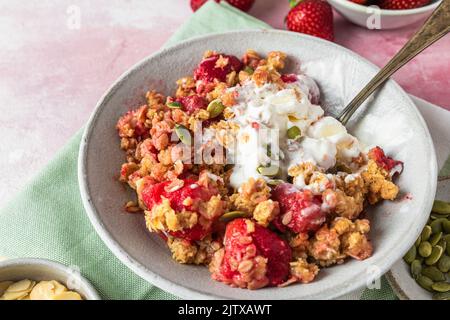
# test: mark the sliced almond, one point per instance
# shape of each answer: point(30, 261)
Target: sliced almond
point(14, 295)
point(68, 295)
point(4, 285)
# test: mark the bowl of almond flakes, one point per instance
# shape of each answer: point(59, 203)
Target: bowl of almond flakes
point(234, 180)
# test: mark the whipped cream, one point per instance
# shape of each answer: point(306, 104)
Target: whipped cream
point(264, 116)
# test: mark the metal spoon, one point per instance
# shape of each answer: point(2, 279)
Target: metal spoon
point(433, 29)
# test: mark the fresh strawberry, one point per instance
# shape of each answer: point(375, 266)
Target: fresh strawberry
point(196, 4)
point(313, 17)
point(244, 5)
point(402, 4)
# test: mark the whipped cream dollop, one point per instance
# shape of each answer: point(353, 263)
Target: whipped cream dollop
point(265, 114)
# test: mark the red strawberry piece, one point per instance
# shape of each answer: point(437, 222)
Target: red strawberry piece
point(193, 103)
point(313, 17)
point(300, 210)
point(153, 194)
point(244, 5)
point(289, 78)
point(245, 244)
point(209, 69)
point(390, 165)
point(363, 2)
point(134, 119)
point(402, 4)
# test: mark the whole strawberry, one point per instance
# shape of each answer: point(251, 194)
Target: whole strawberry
point(313, 17)
point(402, 4)
point(244, 5)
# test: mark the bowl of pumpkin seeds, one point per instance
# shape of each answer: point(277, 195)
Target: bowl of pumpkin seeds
point(427, 262)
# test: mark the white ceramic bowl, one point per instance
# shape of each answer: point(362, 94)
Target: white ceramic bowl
point(392, 121)
point(389, 19)
point(42, 269)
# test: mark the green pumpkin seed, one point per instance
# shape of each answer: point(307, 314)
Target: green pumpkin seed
point(446, 226)
point(215, 108)
point(274, 182)
point(418, 241)
point(441, 286)
point(425, 249)
point(435, 216)
point(442, 243)
point(442, 296)
point(425, 282)
point(436, 225)
point(433, 273)
point(174, 105)
point(435, 255)
point(271, 171)
point(249, 70)
point(233, 215)
point(441, 207)
point(294, 133)
point(444, 263)
point(435, 238)
point(426, 233)
point(183, 133)
point(416, 268)
point(410, 256)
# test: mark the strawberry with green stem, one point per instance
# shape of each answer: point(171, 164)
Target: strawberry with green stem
point(313, 17)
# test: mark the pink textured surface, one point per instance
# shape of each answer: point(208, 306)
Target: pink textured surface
point(52, 76)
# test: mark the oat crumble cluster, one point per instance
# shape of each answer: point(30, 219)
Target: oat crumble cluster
point(276, 216)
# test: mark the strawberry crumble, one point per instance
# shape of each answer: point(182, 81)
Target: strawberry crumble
point(241, 171)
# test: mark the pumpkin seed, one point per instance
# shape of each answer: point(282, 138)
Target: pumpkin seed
point(435, 216)
point(275, 182)
point(410, 256)
point(433, 273)
point(426, 233)
point(444, 263)
point(174, 105)
point(435, 255)
point(425, 249)
point(435, 238)
point(215, 108)
point(446, 226)
point(425, 282)
point(441, 207)
point(441, 286)
point(442, 296)
point(271, 171)
point(249, 70)
point(442, 243)
point(418, 241)
point(233, 215)
point(294, 132)
point(436, 225)
point(183, 133)
point(416, 268)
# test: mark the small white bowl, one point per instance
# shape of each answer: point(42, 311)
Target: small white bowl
point(367, 16)
point(41, 269)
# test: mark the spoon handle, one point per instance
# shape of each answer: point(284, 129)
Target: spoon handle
point(434, 28)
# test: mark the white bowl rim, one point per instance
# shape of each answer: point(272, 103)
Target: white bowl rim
point(387, 12)
point(91, 292)
point(187, 293)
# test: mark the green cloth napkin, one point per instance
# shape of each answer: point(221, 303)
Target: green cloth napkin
point(47, 218)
